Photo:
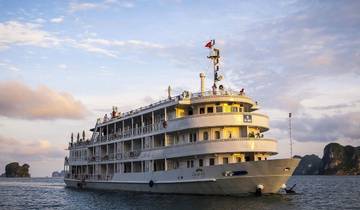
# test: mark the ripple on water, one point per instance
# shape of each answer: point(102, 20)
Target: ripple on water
point(314, 192)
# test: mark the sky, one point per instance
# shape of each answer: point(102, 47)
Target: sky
point(65, 63)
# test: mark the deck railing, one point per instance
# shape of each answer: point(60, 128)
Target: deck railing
point(84, 177)
point(136, 153)
point(119, 135)
point(184, 95)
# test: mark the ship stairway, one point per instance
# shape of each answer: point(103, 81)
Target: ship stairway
point(95, 134)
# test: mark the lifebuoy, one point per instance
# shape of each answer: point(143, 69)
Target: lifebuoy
point(151, 183)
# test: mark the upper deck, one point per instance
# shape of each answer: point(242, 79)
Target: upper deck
point(186, 98)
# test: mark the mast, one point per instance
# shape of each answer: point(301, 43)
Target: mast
point(214, 56)
point(291, 143)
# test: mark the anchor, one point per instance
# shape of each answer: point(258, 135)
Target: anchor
point(290, 191)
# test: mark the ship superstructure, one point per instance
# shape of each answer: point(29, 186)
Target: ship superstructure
point(211, 142)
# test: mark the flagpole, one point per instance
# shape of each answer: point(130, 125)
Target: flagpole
point(214, 55)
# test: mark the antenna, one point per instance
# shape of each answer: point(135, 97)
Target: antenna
point(291, 143)
point(214, 55)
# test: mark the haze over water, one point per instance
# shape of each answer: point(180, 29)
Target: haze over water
point(313, 192)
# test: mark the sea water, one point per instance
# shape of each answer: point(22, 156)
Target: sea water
point(312, 192)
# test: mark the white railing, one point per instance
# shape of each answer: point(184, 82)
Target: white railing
point(120, 135)
point(210, 141)
point(115, 156)
point(84, 177)
point(184, 95)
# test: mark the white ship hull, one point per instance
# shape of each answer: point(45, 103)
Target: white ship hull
point(210, 180)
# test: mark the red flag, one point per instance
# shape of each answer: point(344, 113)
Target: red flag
point(209, 44)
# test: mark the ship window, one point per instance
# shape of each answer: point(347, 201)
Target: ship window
point(192, 137)
point(206, 135)
point(210, 109)
point(201, 162)
point(234, 109)
point(176, 165)
point(202, 110)
point(190, 111)
point(239, 173)
point(217, 134)
point(127, 167)
point(225, 160)
point(190, 163)
point(219, 109)
point(211, 161)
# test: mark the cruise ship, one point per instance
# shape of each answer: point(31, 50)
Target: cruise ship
point(212, 142)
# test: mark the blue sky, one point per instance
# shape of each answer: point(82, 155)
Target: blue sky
point(82, 57)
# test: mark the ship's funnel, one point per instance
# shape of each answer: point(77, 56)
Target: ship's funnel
point(202, 86)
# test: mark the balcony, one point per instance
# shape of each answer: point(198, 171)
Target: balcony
point(131, 133)
point(219, 119)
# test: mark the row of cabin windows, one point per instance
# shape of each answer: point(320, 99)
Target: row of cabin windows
point(217, 135)
point(205, 135)
point(225, 160)
point(218, 109)
point(190, 163)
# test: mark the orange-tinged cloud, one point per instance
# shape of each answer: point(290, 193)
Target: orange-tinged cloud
point(18, 150)
point(18, 100)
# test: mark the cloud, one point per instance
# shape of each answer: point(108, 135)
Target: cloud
point(20, 101)
point(62, 66)
point(40, 20)
point(125, 4)
point(337, 107)
point(75, 7)
point(8, 66)
point(128, 43)
point(16, 33)
point(94, 49)
point(14, 149)
point(324, 129)
point(57, 20)
point(305, 61)
point(112, 48)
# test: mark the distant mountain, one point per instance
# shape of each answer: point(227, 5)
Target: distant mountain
point(58, 174)
point(15, 170)
point(340, 160)
point(309, 165)
point(337, 160)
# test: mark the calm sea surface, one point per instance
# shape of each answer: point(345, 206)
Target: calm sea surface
point(313, 192)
